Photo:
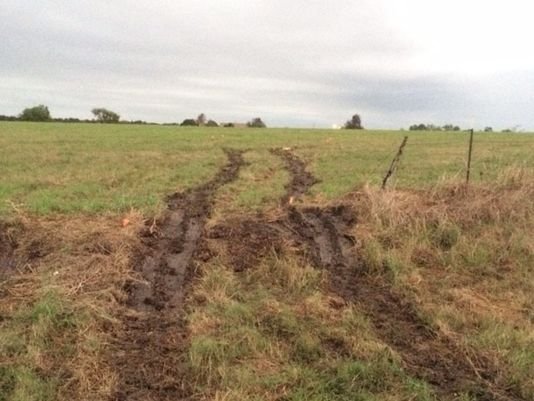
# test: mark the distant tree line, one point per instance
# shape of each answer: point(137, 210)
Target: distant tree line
point(432, 127)
point(41, 113)
point(202, 121)
point(449, 127)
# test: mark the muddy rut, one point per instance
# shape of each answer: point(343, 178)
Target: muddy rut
point(426, 353)
point(151, 347)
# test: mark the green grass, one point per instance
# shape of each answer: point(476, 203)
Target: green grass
point(271, 333)
point(31, 339)
point(68, 168)
point(274, 331)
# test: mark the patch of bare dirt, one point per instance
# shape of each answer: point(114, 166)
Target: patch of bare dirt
point(248, 240)
point(150, 349)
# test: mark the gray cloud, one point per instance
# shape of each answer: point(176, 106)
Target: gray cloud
point(299, 63)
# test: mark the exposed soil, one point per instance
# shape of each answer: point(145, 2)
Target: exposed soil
point(150, 350)
point(426, 353)
point(248, 240)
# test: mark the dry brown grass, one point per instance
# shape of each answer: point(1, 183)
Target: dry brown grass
point(467, 257)
point(61, 301)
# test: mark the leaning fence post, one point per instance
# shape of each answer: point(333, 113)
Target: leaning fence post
point(394, 163)
point(469, 154)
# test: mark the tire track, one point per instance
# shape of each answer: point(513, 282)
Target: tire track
point(426, 353)
point(149, 351)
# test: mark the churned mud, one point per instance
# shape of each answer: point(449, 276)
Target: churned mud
point(248, 240)
point(151, 347)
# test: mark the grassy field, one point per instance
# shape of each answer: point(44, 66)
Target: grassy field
point(75, 200)
point(68, 168)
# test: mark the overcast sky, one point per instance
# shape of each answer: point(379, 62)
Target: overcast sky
point(292, 62)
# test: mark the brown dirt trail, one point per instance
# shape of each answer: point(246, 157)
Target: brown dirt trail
point(150, 348)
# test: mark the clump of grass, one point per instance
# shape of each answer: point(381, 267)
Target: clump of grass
point(467, 257)
point(273, 333)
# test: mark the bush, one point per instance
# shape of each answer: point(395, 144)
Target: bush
point(354, 123)
point(105, 116)
point(256, 123)
point(212, 123)
point(37, 113)
point(189, 122)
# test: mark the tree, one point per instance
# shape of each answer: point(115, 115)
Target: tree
point(432, 127)
point(37, 113)
point(189, 122)
point(256, 123)
point(488, 129)
point(201, 119)
point(212, 123)
point(105, 116)
point(354, 123)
